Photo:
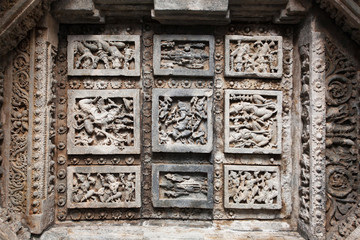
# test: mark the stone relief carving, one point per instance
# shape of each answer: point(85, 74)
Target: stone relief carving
point(259, 56)
point(342, 151)
point(253, 121)
point(188, 186)
point(252, 187)
point(111, 187)
point(103, 55)
point(18, 159)
point(182, 120)
point(11, 226)
point(304, 189)
point(103, 121)
point(183, 55)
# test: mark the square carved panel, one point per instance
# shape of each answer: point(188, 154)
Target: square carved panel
point(103, 122)
point(252, 187)
point(104, 55)
point(257, 56)
point(104, 187)
point(184, 55)
point(182, 120)
point(182, 186)
point(253, 121)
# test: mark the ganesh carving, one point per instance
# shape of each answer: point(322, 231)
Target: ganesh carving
point(253, 121)
point(253, 56)
point(103, 55)
point(94, 187)
point(183, 55)
point(252, 187)
point(182, 120)
point(103, 122)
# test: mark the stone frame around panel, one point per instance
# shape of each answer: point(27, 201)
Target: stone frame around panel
point(103, 72)
point(181, 203)
point(278, 95)
point(176, 147)
point(250, 168)
point(101, 149)
point(231, 73)
point(105, 170)
point(183, 72)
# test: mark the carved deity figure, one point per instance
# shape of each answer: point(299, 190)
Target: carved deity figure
point(252, 121)
point(253, 187)
point(182, 121)
point(100, 120)
point(109, 53)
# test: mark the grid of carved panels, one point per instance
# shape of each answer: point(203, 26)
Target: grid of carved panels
point(197, 126)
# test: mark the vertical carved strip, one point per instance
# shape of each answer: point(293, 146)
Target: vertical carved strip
point(317, 139)
point(18, 159)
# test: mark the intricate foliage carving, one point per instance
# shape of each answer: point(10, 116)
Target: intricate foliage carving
point(183, 55)
point(253, 56)
point(18, 158)
point(253, 121)
point(103, 122)
point(188, 186)
point(104, 55)
point(342, 119)
point(182, 120)
point(252, 187)
point(95, 187)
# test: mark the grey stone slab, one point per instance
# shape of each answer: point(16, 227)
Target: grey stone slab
point(103, 187)
point(252, 187)
point(187, 6)
point(182, 186)
point(103, 122)
point(184, 55)
point(255, 56)
point(103, 55)
point(174, 110)
point(253, 121)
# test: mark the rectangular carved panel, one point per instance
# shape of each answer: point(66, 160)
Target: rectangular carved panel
point(104, 55)
point(182, 120)
point(252, 187)
point(104, 187)
point(103, 121)
point(184, 186)
point(186, 55)
point(258, 56)
point(253, 121)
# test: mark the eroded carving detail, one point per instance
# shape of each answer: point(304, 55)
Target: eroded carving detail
point(253, 121)
point(188, 186)
point(104, 55)
point(103, 120)
point(253, 56)
point(252, 187)
point(183, 55)
point(182, 120)
point(95, 187)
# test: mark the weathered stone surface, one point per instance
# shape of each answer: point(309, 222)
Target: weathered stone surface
point(104, 187)
point(252, 187)
point(183, 186)
point(184, 55)
point(104, 55)
point(103, 121)
point(253, 121)
point(182, 120)
point(258, 56)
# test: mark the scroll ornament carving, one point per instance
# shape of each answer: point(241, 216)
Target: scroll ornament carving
point(19, 128)
point(304, 190)
point(103, 54)
point(104, 121)
point(182, 120)
point(342, 170)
